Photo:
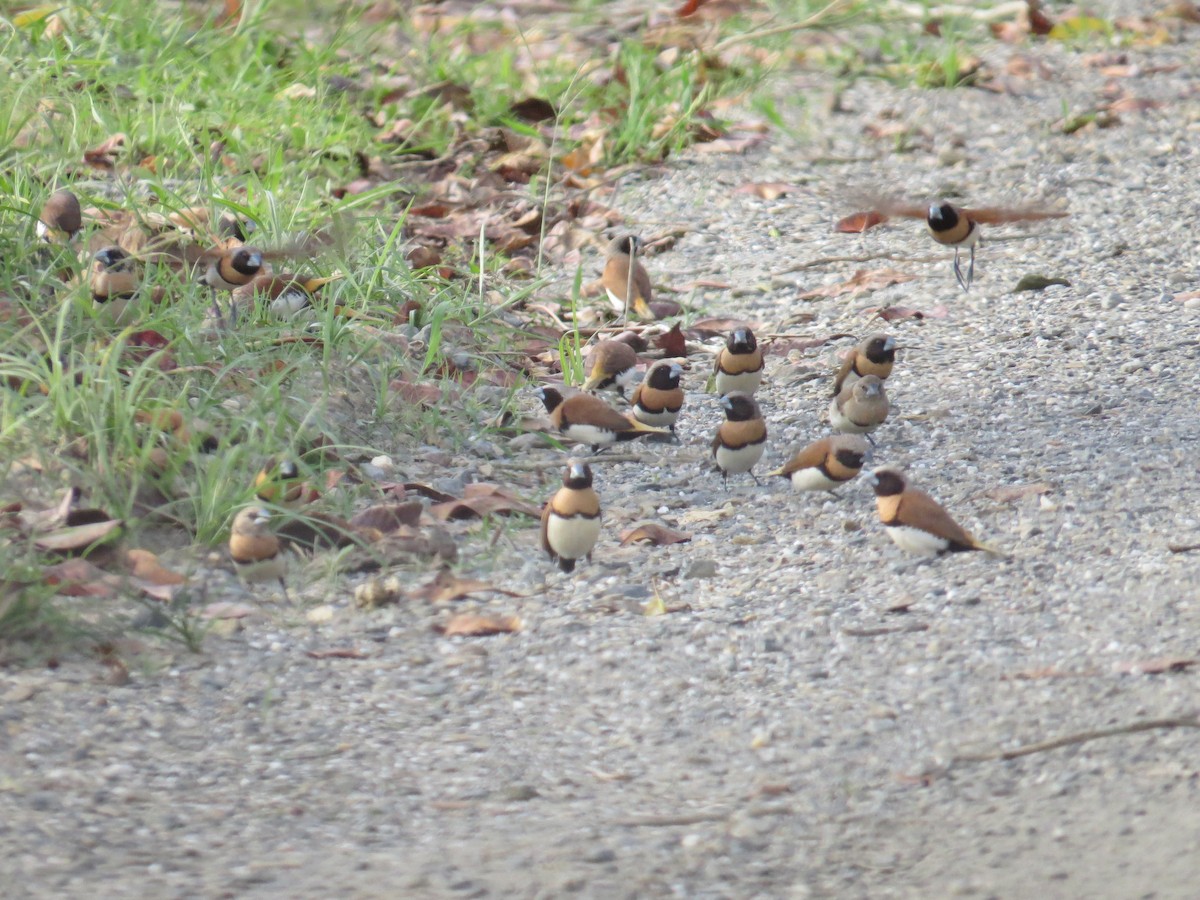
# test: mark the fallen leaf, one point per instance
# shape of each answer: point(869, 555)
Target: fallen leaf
point(337, 653)
point(861, 282)
point(729, 144)
point(1038, 283)
point(105, 155)
point(533, 109)
point(689, 8)
point(673, 342)
point(479, 625)
point(446, 586)
point(857, 223)
point(426, 395)
point(895, 313)
point(1006, 493)
point(1155, 666)
point(656, 534)
point(426, 490)
point(483, 500)
point(80, 578)
point(767, 190)
point(386, 517)
point(78, 538)
point(1129, 104)
point(1186, 295)
point(714, 327)
point(145, 565)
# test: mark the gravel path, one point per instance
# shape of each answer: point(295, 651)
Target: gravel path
point(786, 733)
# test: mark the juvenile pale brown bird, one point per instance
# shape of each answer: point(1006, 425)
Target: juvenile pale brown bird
point(739, 365)
point(113, 282)
point(860, 408)
point(826, 464)
point(611, 365)
point(589, 420)
point(626, 279)
point(571, 518)
point(742, 437)
point(61, 218)
point(874, 355)
point(915, 521)
point(659, 398)
point(956, 227)
point(280, 482)
point(255, 550)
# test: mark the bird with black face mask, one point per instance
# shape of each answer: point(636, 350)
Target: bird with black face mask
point(571, 518)
point(915, 521)
point(589, 420)
point(659, 398)
point(113, 283)
point(739, 364)
point(826, 464)
point(874, 355)
point(742, 437)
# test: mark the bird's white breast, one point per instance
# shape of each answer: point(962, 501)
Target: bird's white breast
point(589, 434)
point(916, 540)
point(741, 460)
point(743, 381)
point(572, 538)
point(813, 479)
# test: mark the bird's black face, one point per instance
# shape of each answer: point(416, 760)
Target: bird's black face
point(888, 483)
point(630, 244)
point(742, 341)
point(287, 469)
point(248, 262)
point(550, 397)
point(664, 378)
point(111, 257)
point(578, 477)
point(881, 349)
point(942, 216)
point(851, 459)
point(739, 407)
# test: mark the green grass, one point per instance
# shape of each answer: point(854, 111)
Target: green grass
point(270, 119)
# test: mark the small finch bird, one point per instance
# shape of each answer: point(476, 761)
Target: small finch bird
point(915, 521)
point(742, 437)
point(625, 279)
point(739, 365)
point(611, 365)
point(875, 355)
point(61, 218)
point(571, 518)
point(256, 551)
point(860, 408)
point(826, 464)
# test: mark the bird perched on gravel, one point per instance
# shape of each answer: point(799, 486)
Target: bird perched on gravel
point(859, 408)
point(256, 552)
point(739, 365)
point(659, 398)
point(571, 518)
point(625, 279)
point(60, 219)
point(874, 355)
point(589, 420)
point(826, 464)
point(915, 521)
point(742, 437)
point(611, 365)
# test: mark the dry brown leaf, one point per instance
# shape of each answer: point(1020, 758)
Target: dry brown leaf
point(446, 586)
point(337, 653)
point(480, 625)
point(145, 565)
point(104, 156)
point(673, 342)
point(719, 327)
point(1155, 666)
point(861, 282)
point(80, 578)
point(656, 534)
point(480, 500)
point(426, 395)
point(857, 223)
point(1006, 493)
point(386, 517)
point(427, 490)
point(895, 313)
point(729, 144)
point(533, 109)
point(767, 190)
point(77, 538)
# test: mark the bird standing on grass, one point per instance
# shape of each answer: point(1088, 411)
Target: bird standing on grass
point(256, 551)
point(61, 218)
point(113, 282)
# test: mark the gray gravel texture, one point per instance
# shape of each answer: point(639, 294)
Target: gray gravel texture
point(784, 734)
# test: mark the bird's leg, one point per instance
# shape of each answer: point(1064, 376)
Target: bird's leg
point(871, 439)
point(283, 587)
point(756, 481)
point(964, 284)
point(218, 316)
point(971, 269)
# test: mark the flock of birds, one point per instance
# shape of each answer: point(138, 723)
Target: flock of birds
point(859, 404)
point(220, 258)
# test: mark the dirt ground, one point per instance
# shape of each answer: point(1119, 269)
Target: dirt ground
point(787, 732)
